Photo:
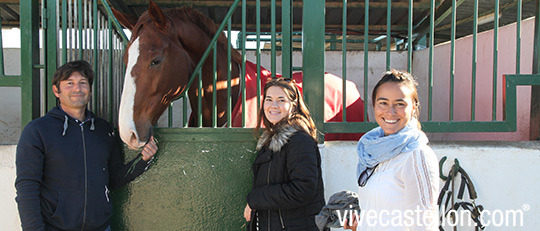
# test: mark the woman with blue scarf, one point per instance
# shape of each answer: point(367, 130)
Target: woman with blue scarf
point(397, 171)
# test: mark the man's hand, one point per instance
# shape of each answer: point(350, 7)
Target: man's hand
point(149, 149)
point(247, 212)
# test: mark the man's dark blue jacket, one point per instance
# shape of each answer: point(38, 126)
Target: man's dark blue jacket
point(65, 169)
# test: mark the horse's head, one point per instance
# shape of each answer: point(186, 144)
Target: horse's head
point(157, 71)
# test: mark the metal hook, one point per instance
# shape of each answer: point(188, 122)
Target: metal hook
point(441, 163)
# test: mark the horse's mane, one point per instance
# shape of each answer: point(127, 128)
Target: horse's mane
point(194, 16)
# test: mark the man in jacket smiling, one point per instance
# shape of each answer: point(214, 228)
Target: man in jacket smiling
point(68, 160)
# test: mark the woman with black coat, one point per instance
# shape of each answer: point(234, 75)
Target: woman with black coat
point(287, 183)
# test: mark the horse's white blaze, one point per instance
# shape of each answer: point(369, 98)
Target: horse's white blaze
point(126, 124)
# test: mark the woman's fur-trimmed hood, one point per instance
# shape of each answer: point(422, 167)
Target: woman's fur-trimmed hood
point(275, 141)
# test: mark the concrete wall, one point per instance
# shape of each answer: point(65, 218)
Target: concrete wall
point(504, 174)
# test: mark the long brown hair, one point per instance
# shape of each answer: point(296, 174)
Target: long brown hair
point(299, 116)
point(404, 78)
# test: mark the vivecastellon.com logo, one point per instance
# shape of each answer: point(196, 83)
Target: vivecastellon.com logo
point(430, 218)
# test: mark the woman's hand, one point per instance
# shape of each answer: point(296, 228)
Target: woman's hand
point(247, 213)
point(149, 149)
point(352, 226)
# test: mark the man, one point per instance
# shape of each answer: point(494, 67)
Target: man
point(68, 160)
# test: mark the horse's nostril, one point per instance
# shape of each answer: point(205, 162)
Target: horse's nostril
point(133, 140)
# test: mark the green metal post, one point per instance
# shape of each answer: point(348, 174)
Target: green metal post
point(29, 14)
point(474, 60)
point(388, 31)
point(95, 55)
point(518, 37)
point(242, 80)
point(344, 59)
point(366, 52)
point(452, 58)
point(534, 131)
point(80, 26)
point(214, 87)
point(110, 63)
point(313, 61)
point(258, 30)
point(64, 31)
point(229, 69)
point(409, 36)
point(273, 43)
point(50, 52)
point(431, 49)
point(495, 54)
point(286, 38)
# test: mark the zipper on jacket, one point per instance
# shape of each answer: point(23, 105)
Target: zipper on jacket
point(268, 183)
point(85, 177)
point(281, 220)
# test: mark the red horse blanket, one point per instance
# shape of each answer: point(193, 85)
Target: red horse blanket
point(333, 101)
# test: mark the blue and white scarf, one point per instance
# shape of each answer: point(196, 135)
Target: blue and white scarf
point(374, 147)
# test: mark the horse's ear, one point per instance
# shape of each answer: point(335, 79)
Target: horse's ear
point(157, 16)
point(126, 20)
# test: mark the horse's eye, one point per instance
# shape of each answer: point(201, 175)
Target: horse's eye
point(155, 62)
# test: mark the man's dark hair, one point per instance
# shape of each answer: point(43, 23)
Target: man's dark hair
point(65, 71)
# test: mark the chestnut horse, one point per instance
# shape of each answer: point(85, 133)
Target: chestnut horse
point(164, 48)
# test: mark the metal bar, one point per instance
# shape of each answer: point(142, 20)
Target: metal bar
point(80, 26)
point(273, 43)
point(199, 101)
point(50, 49)
point(429, 126)
point(452, 59)
point(534, 121)
point(286, 33)
point(313, 61)
point(518, 36)
point(344, 60)
point(229, 69)
point(366, 52)
point(64, 31)
point(2, 72)
point(431, 49)
point(409, 36)
point(214, 87)
point(474, 61)
point(243, 79)
point(184, 109)
point(29, 17)
point(333, 41)
point(95, 51)
point(111, 61)
point(388, 32)
point(495, 54)
point(258, 22)
point(71, 31)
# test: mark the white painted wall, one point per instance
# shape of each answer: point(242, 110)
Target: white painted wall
point(9, 219)
point(504, 174)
